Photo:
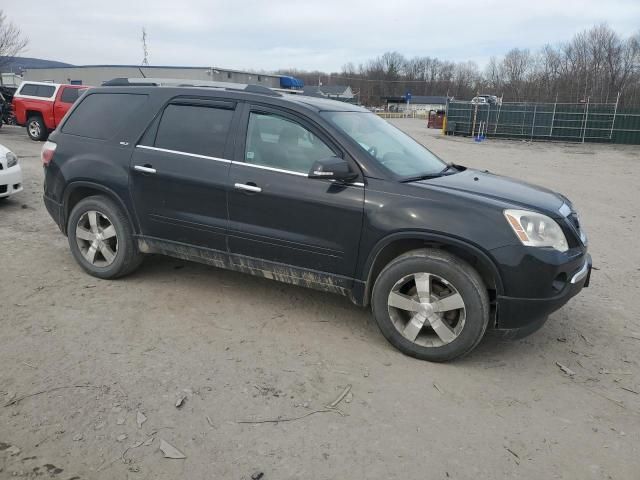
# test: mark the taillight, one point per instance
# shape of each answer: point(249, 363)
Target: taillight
point(46, 155)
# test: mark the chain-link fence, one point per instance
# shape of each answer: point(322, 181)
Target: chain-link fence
point(580, 122)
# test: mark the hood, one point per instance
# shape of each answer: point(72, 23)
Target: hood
point(509, 190)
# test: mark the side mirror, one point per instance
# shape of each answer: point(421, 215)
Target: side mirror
point(332, 168)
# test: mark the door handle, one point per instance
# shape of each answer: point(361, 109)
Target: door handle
point(140, 168)
point(248, 188)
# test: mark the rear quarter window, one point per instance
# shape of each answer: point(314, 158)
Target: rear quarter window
point(28, 89)
point(34, 90)
point(101, 115)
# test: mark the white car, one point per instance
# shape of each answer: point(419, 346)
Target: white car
point(10, 173)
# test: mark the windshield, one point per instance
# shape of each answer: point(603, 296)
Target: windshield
point(386, 144)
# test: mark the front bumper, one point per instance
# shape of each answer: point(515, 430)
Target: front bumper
point(10, 181)
point(519, 317)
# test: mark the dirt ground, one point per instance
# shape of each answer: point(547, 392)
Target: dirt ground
point(239, 348)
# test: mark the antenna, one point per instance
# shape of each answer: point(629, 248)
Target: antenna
point(145, 60)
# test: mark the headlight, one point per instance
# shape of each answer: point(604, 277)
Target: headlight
point(12, 159)
point(536, 230)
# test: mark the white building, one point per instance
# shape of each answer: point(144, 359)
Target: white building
point(94, 75)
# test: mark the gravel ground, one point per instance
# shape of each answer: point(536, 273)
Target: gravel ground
point(240, 348)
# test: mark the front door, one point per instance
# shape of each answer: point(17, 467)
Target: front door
point(276, 212)
point(180, 171)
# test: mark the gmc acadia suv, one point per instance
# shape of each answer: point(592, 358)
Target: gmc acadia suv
point(316, 193)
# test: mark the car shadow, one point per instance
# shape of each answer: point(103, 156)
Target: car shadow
point(335, 311)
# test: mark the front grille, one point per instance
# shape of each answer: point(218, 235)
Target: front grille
point(3, 188)
point(1, 167)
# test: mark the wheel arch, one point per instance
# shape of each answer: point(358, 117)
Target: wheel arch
point(76, 191)
point(396, 244)
point(32, 113)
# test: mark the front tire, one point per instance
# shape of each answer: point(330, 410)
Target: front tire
point(431, 305)
point(36, 129)
point(101, 238)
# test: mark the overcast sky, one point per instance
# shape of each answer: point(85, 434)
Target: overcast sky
point(324, 35)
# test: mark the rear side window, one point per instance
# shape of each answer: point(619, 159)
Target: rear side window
point(101, 115)
point(70, 95)
point(34, 90)
point(194, 129)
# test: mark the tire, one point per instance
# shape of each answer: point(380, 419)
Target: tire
point(113, 250)
point(36, 129)
point(441, 333)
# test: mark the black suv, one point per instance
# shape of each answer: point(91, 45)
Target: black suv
point(316, 193)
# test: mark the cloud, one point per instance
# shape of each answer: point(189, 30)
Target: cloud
point(309, 34)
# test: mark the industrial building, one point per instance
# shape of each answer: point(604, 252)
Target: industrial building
point(94, 75)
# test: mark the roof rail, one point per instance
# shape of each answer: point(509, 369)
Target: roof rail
point(180, 82)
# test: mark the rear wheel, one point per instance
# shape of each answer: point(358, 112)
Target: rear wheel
point(101, 239)
point(431, 305)
point(36, 129)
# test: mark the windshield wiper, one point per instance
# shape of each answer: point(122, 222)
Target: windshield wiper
point(428, 176)
point(449, 167)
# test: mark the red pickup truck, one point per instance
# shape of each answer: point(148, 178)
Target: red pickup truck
point(40, 106)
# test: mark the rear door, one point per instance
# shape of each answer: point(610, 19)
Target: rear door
point(179, 173)
point(276, 212)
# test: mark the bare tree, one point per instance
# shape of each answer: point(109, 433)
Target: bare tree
point(595, 65)
point(516, 66)
point(492, 75)
point(12, 41)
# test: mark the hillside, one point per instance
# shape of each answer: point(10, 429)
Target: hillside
point(16, 64)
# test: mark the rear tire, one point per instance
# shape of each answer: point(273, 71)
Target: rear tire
point(431, 305)
point(101, 238)
point(36, 129)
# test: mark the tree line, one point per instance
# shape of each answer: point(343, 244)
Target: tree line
point(12, 41)
point(595, 65)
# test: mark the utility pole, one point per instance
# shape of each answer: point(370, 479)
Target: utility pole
point(145, 51)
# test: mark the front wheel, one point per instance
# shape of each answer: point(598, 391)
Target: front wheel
point(431, 305)
point(101, 238)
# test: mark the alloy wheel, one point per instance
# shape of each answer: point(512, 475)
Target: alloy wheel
point(34, 129)
point(426, 309)
point(97, 239)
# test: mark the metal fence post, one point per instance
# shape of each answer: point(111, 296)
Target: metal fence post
point(553, 117)
point(533, 123)
point(475, 116)
point(495, 130)
point(615, 111)
point(446, 117)
point(586, 118)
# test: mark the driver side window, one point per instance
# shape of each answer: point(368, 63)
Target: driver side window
point(276, 142)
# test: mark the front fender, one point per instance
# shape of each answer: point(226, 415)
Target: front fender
point(488, 265)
